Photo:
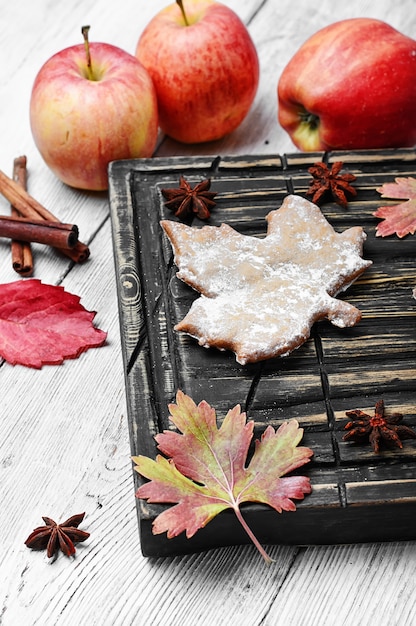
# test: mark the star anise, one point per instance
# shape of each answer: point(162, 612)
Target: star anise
point(186, 200)
point(377, 428)
point(329, 182)
point(55, 536)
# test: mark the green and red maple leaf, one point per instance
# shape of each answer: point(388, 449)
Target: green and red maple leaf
point(399, 219)
point(43, 324)
point(206, 471)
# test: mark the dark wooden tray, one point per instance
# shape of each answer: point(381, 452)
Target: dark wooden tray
point(357, 496)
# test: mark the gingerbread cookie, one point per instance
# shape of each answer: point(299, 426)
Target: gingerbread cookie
point(260, 297)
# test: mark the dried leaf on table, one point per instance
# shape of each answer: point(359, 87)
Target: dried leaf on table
point(206, 472)
point(399, 219)
point(43, 324)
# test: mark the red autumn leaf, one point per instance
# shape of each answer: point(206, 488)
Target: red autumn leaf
point(44, 324)
point(399, 219)
point(207, 473)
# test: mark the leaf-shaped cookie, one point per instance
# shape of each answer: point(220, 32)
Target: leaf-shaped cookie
point(207, 472)
point(260, 297)
point(399, 219)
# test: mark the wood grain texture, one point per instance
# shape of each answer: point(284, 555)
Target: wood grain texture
point(64, 440)
point(362, 365)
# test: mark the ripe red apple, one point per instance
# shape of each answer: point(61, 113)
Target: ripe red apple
point(352, 85)
point(204, 66)
point(84, 116)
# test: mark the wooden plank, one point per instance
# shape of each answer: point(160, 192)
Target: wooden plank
point(335, 371)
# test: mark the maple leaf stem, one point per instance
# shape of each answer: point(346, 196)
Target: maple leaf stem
point(252, 536)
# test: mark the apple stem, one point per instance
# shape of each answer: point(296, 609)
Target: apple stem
point(84, 31)
point(180, 5)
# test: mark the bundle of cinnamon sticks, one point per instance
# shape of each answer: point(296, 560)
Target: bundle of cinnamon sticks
point(32, 222)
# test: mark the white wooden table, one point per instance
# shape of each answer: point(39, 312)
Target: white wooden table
point(64, 444)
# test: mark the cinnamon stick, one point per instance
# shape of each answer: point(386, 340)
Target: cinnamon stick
point(32, 209)
point(53, 234)
point(22, 257)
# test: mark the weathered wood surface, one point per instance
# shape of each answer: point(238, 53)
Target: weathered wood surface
point(64, 444)
point(334, 371)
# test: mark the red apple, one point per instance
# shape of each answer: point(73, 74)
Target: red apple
point(352, 85)
point(82, 117)
point(204, 66)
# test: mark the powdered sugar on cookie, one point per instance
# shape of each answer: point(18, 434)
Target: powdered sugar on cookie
point(261, 296)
